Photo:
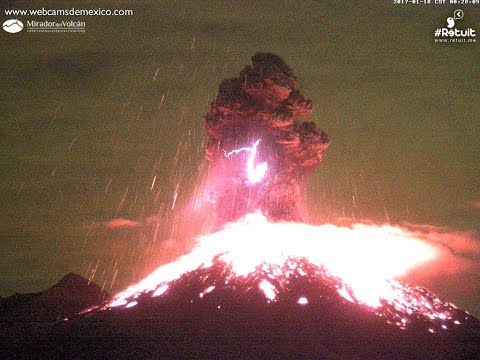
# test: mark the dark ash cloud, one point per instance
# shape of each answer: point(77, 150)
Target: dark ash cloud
point(262, 104)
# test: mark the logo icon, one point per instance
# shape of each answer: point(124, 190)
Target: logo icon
point(13, 26)
point(452, 33)
point(457, 15)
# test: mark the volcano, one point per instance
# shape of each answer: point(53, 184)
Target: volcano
point(289, 298)
point(206, 315)
point(266, 285)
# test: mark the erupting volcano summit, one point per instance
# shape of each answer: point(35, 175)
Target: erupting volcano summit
point(259, 147)
point(265, 285)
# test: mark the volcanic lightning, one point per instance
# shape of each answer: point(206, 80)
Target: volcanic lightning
point(262, 103)
point(255, 173)
point(261, 246)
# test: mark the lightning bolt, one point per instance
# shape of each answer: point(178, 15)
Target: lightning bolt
point(255, 172)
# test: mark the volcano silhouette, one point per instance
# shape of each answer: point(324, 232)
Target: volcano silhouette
point(299, 313)
point(13, 26)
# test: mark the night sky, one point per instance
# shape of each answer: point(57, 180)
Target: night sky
point(106, 125)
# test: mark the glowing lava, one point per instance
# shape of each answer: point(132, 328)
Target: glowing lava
point(363, 256)
point(255, 173)
point(359, 263)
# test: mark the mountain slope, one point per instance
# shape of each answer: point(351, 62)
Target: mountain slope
point(67, 297)
point(208, 313)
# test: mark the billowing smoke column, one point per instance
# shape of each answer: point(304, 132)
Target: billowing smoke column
point(259, 147)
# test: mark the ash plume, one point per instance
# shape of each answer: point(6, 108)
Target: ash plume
point(262, 104)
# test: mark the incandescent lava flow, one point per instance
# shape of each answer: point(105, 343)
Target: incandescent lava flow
point(356, 264)
point(312, 291)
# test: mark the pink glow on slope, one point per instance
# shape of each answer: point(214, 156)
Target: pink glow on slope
point(364, 257)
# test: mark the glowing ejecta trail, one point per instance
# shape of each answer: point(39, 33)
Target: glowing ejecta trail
point(255, 173)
